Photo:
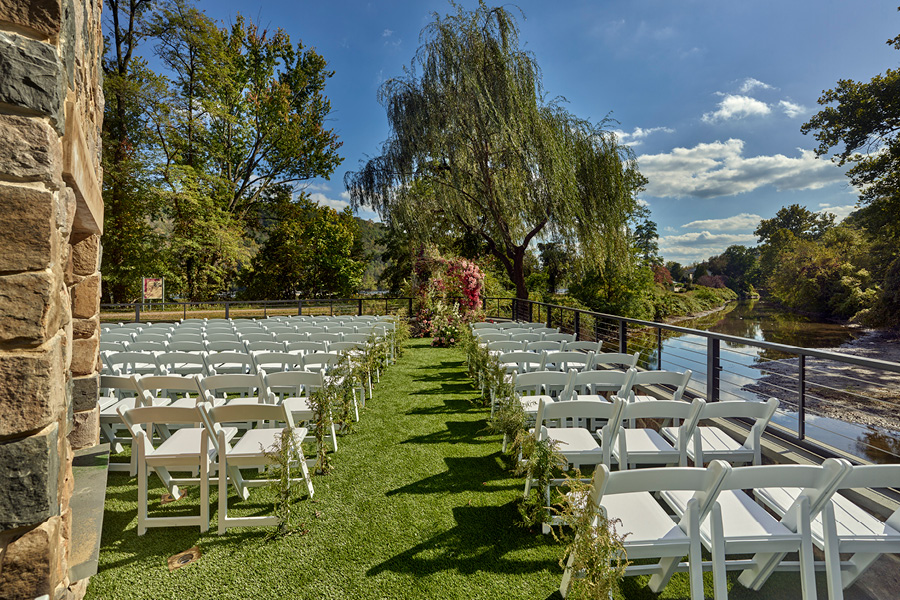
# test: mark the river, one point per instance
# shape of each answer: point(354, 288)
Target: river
point(750, 373)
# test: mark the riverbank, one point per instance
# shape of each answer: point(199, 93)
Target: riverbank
point(841, 391)
point(698, 315)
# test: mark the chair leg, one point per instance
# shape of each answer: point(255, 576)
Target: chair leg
point(807, 565)
point(223, 495)
point(720, 583)
point(859, 562)
point(142, 497)
point(333, 436)
point(204, 491)
point(567, 576)
point(832, 556)
point(305, 470)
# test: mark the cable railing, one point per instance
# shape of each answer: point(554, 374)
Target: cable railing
point(831, 402)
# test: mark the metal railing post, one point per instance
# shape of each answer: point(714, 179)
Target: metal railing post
point(801, 411)
point(712, 369)
point(410, 307)
point(228, 310)
point(659, 348)
point(184, 318)
point(577, 326)
point(531, 312)
point(549, 317)
point(137, 312)
point(299, 307)
point(360, 308)
point(623, 337)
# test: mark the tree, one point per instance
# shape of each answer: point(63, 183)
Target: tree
point(131, 249)
point(555, 259)
point(310, 250)
point(645, 237)
point(800, 221)
point(501, 164)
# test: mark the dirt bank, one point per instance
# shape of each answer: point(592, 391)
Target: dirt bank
point(839, 390)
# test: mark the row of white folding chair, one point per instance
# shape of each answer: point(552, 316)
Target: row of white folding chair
point(524, 336)
point(191, 448)
point(212, 363)
point(550, 386)
point(711, 508)
point(508, 325)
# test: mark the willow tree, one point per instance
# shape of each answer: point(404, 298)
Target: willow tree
point(496, 160)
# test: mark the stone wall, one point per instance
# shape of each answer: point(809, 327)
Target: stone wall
point(51, 216)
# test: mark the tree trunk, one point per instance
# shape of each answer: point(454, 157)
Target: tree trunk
point(518, 278)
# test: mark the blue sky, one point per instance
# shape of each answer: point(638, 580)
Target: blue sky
point(710, 94)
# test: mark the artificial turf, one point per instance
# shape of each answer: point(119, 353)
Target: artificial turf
point(420, 505)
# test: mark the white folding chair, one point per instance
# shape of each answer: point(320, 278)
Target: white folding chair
point(565, 360)
point(293, 389)
point(278, 361)
point(182, 363)
point(234, 388)
point(132, 363)
point(534, 386)
point(544, 346)
point(230, 362)
point(627, 496)
point(670, 379)
point(584, 346)
point(589, 385)
point(711, 443)
point(738, 525)
point(845, 528)
point(608, 360)
point(521, 361)
point(645, 446)
point(250, 451)
point(226, 346)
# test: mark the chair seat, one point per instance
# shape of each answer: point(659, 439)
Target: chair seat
point(852, 523)
point(299, 407)
point(743, 521)
point(575, 444)
point(716, 444)
point(256, 442)
point(647, 445)
point(184, 445)
point(647, 524)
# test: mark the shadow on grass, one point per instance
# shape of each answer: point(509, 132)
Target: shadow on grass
point(449, 407)
point(476, 473)
point(462, 388)
point(457, 432)
point(478, 543)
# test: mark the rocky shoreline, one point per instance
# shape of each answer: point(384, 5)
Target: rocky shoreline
point(841, 391)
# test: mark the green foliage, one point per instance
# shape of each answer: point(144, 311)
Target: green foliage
point(594, 546)
point(284, 474)
point(472, 95)
point(541, 460)
point(321, 402)
point(310, 250)
point(619, 286)
point(798, 220)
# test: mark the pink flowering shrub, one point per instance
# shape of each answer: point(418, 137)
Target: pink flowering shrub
point(440, 284)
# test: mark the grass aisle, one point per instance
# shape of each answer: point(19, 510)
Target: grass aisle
point(419, 506)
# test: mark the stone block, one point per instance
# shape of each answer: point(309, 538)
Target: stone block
point(32, 77)
point(80, 171)
point(86, 256)
point(31, 562)
point(29, 479)
point(86, 297)
point(27, 228)
point(43, 16)
point(85, 356)
point(32, 387)
point(30, 310)
point(30, 150)
point(85, 429)
point(85, 328)
point(85, 392)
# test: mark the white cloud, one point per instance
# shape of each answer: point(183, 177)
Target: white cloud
point(749, 84)
point(322, 199)
point(743, 221)
point(792, 110)
point(317, 187)
point(840, 212)
point(641, 202)
point(734, 106)
point(637, 137)
point(716, 169)
point(693, 247)
point(387, 33)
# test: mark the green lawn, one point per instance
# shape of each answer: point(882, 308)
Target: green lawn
point(420, 505)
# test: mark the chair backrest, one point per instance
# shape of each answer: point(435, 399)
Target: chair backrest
point(183, 345)
point(526, 337)
point(230, 362)
point(294, 383)
point(505, 346)
point(307, 347)
point(323, 361)
point(524, 359)
point(706, 483)
point(132, 362)
point(565, 360)
point(113, 346)
point(490, 338)
point(121, 386)
point(540, 328)
point(148, 346)
point(560, 337)
point(569, 413)
point(278, 361)
point(629, 361)
point(584, 346)
point(483, 325)
point(545, 346)
point(511, 331)
point(292, 337)
point(234, 384)
point(169, 386)
point(819, 482)
point(480, 333)
point(674, 379)
point(358, 337)
point(508, 325)
point(182, 363)
point(134, 418)
point(267, 346)
point(146, 336)
point(551, 383)
point(346, 346)
point(594, 382)
point(117, 337)
point(308, 329)
point(325, 337)
point(232, 346)
point(222, 337)
point(342, 329)
point(257, 337)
